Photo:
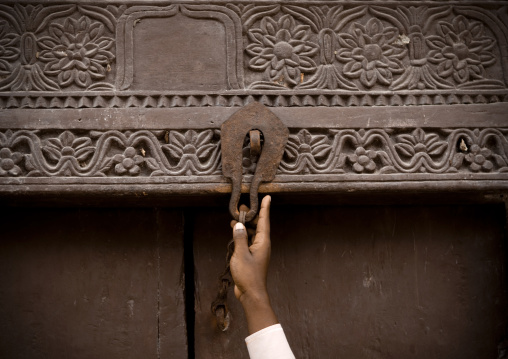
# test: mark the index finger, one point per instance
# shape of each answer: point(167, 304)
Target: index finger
point(263, 225)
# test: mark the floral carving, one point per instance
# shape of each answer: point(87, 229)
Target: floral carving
point(327, 22)
point(66, 146)
point(191, 143)
point(9, 50)
point(371, 152)
point(461, 50)
point(478, 159)
point(370, 53)
point(192, 151)
point(300, 46)
point(483, 151)
point(77, 52)
point(306, 152)
point(25, 72)
point(418, 141)
point(303, 143)
point(363, 160)
point(419, 73)
point(128, 162)
point(9, 163)
point(282, 49)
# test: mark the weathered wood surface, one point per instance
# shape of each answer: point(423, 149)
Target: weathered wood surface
point(372, 92)
point(91, 283)
point(376, 282)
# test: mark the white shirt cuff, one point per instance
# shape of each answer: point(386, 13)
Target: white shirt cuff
point(269, 343)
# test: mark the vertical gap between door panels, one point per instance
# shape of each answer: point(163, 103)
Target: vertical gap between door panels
point(189, 272)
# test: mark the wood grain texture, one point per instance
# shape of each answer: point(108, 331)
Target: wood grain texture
point(370, 282)
point(91, 283)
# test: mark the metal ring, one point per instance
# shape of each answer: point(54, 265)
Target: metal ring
point(242, 216)
point(255, 142)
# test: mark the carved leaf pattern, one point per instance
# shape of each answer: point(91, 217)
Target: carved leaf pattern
point(370, 53)
point(366, 47)
point(53, 47)
point(305, 46)
point(461, 50)
point(144, 153)
point(76, 52)
point(282, 49)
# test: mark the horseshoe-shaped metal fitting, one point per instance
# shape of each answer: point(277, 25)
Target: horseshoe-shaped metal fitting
point(254, 116)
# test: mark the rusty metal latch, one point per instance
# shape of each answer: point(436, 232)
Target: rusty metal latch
point(268, 137)
point(247, 120)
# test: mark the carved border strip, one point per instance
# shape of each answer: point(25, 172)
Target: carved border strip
point(144, 100)
point(372, 153)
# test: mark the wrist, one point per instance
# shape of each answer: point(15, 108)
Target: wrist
point(255, 300)
point(258, 311)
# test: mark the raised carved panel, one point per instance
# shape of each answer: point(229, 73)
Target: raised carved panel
point(56, 47)
point(357, 53)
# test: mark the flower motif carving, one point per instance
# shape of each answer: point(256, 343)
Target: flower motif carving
point(77, 52)
point(282, 49)
point(190, 144)
point(303, 46)
point(39, 53)
point(67, 146)
point(461, 50)
point(303, 143)
point(192, 152)
point(9, 163)
point(400, 48)
point(478, 159)
point(418, 142)
point(128, 162)
point(306, 152)
point(370, 53)
point(9, 50)
point(363, 160)
point(372, 152)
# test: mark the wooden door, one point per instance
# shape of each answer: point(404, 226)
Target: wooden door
point(91, 283)
point(369, 282)
point(345, 281)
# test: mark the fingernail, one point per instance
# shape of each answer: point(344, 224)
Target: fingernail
point(239, 226)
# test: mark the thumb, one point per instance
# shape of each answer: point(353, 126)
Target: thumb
point(240, 237)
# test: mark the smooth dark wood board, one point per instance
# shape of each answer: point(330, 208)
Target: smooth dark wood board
point(369, 282)
point(91, 283)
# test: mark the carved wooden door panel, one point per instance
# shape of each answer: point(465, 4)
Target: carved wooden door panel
point(120, 104)
point(128, 97)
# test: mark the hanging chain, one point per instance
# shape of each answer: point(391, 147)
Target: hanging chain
point(219, 307)
point(220, 304)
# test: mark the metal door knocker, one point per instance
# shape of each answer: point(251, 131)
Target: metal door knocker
point(268, 137)
point(255, 120)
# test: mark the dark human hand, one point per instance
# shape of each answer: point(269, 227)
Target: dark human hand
point(249, 268)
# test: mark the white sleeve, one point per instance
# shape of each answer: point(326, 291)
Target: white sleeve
point(269, 343)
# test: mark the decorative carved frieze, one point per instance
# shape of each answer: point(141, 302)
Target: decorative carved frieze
point(77, 100)
point(354, 53)
point(144, 153)
point(133, 92)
